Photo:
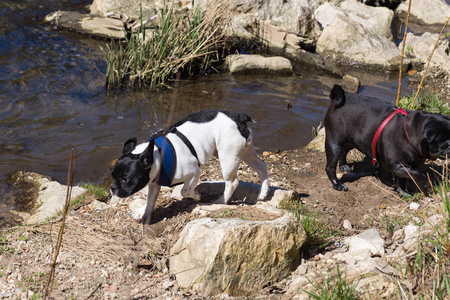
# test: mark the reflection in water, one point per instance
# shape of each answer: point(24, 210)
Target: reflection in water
point(52, 98)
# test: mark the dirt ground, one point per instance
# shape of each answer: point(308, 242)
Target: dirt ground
point(104, 254)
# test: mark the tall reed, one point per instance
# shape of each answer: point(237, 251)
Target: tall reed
point(179, 43)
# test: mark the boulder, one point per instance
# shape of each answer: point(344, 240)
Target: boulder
point(51, 197)
point(427, 11)
point(257, 64)
point(421, 46)
point(347, 39)
point(127, 9)
point(375, 19)
point(89, 24)
point(294, 16)
point(326, 13)
point(235, 256)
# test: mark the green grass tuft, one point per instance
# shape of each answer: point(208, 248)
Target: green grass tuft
point(334, 288)
point(319, 233)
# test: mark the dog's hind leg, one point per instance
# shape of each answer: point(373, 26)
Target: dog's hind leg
point(333, 152)
point(251, 159)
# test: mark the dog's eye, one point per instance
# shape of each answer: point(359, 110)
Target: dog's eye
point(124, 180)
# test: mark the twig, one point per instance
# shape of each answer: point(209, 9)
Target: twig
point(401, 56)
point(51, 277)
point(428, 63)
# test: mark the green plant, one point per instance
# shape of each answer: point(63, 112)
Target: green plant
point(227, 213)
point(318, 232)
point(35, 282)
point(334, 288)
point(99, 192)
point(409, 50)
point(426, 102)
point(177, 44)
point(431, 264)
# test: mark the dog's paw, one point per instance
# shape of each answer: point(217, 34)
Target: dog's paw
point(264, 191)
point(340, 187)
point(197, 196)
point(139, 213)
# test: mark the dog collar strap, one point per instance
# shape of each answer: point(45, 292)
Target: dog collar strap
point(186, 142)
point(380, 129)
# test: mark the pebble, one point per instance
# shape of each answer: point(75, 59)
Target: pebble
point(414, 206)
point(347, 225)
point(302, 269)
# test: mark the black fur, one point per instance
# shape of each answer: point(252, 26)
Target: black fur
point(352, 121)
point(132, 174)
point(205, 116)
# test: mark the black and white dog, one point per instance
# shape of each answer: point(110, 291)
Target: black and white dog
point(177, 157)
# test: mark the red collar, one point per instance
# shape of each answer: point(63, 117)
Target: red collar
point(380, 129)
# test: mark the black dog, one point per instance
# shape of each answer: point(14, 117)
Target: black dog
point(410, 137)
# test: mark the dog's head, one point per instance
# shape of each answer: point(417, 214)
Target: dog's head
point(131, 172)
point(436, 137)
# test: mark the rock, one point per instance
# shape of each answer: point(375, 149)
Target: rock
point(375, 19)
point(128, 9)
point(318, 143)
point(428, 11)
point(234, 256)
point(347, 225)
point(351, 84)
point(414, 233)
point(294, 16)
point(51, 197)
point(421, 47)
point(98, 205)
point(369, 239)
point(326, 13)
point(368, 276)
point(257, 64)
point(90, 24)
point(414, 206)
point(347, 39)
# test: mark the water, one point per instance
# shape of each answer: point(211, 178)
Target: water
point(53, 98)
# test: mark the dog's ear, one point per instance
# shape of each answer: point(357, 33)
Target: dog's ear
point(129, 146)
point(431, 132)
point(146, 157)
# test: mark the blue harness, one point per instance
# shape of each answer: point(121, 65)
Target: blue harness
point(168, 156)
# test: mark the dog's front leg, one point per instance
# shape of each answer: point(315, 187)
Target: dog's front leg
point(419, 178)
point(144, 213)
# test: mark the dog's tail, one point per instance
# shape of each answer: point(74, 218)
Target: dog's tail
point(337, 96)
